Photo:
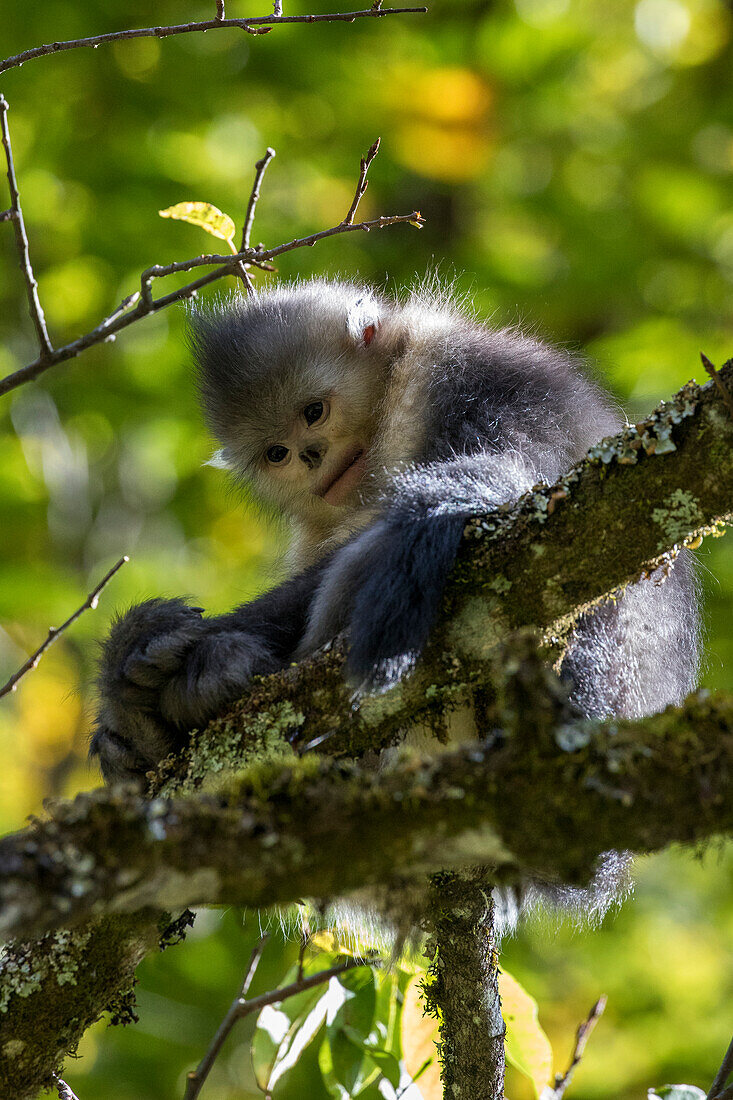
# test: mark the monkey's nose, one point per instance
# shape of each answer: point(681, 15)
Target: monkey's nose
point(313, 456)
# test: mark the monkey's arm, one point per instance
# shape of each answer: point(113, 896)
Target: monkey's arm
point(165, 670)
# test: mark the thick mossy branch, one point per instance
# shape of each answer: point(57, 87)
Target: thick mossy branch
point(92, 967)
point(547, 805)
point(616, 516)
point(545, 801)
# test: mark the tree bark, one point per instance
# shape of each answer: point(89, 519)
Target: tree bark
point(462, 988)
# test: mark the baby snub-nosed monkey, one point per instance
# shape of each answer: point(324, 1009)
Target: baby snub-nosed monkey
point(378, 427)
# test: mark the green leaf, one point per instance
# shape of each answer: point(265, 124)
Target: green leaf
point(527, 1046)
point(204, 215)
point(357, 1011)
point(349, 1024)
point(277, 1029)
point(347, 1059)
point(385, 1062)
point(304, 1078)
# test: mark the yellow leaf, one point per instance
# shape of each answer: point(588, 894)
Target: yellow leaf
point(419, 1036)
point(342, 943)
point(206, 216)
point(527, 1046)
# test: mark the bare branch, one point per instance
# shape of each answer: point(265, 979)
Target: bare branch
point(220, 10)
point(726, 1068)
point(142, 303)
point(90, 603)
point(277, 7)
point(362, 184)
point(241, 1007)
point(261, 168)
point(267, 21)
point(562, 1080)
point(15, 214)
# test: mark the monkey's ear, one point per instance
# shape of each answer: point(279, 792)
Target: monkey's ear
point(363, 320)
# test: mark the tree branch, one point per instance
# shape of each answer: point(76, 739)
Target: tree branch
point(242, 1007)
point(274, 834)
point(582, 1035)
point(462, 987)
point(204, 25)
point(54, 632)
point(260, 169)
point(15, 214)
point(142, 303)
point(540, 804)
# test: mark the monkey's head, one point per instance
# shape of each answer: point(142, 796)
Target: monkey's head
point(292, 382)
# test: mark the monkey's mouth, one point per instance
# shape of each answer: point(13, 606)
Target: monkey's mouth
point(347, 475)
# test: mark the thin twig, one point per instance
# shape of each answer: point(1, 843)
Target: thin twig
point(562, 1080)
point(713, 372)
point(241, 1007)
point(220, 10)
point(63, 1089)
point(277, 7)
point(89, 603)
point(726, 1068)
point(363, 182)
point(190, 28)
point(142, 303)
point(260, 169)
point(15, 214)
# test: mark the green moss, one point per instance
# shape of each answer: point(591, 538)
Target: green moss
point(680, 516)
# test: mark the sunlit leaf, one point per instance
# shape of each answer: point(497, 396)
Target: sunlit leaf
point(527, 1046)
point(204, 215)
point(282, 1030)
point(303, 1078)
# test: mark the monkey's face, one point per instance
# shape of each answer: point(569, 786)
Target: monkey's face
point(317, 463)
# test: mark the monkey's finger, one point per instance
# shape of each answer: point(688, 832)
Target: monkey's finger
point(162, 657)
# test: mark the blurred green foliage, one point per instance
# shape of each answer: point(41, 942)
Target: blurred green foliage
point(574, 160)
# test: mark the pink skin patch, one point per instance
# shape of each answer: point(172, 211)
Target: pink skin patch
point(346, 478)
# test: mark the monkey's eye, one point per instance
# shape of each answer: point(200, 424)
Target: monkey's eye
point(313, 412)
point(277, 454)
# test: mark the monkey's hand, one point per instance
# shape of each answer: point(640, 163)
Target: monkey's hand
point(384, 589)
point(166, 670)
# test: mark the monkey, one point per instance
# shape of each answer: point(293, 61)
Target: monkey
point(378, 426)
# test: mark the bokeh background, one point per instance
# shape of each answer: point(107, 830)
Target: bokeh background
point(574, 161)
